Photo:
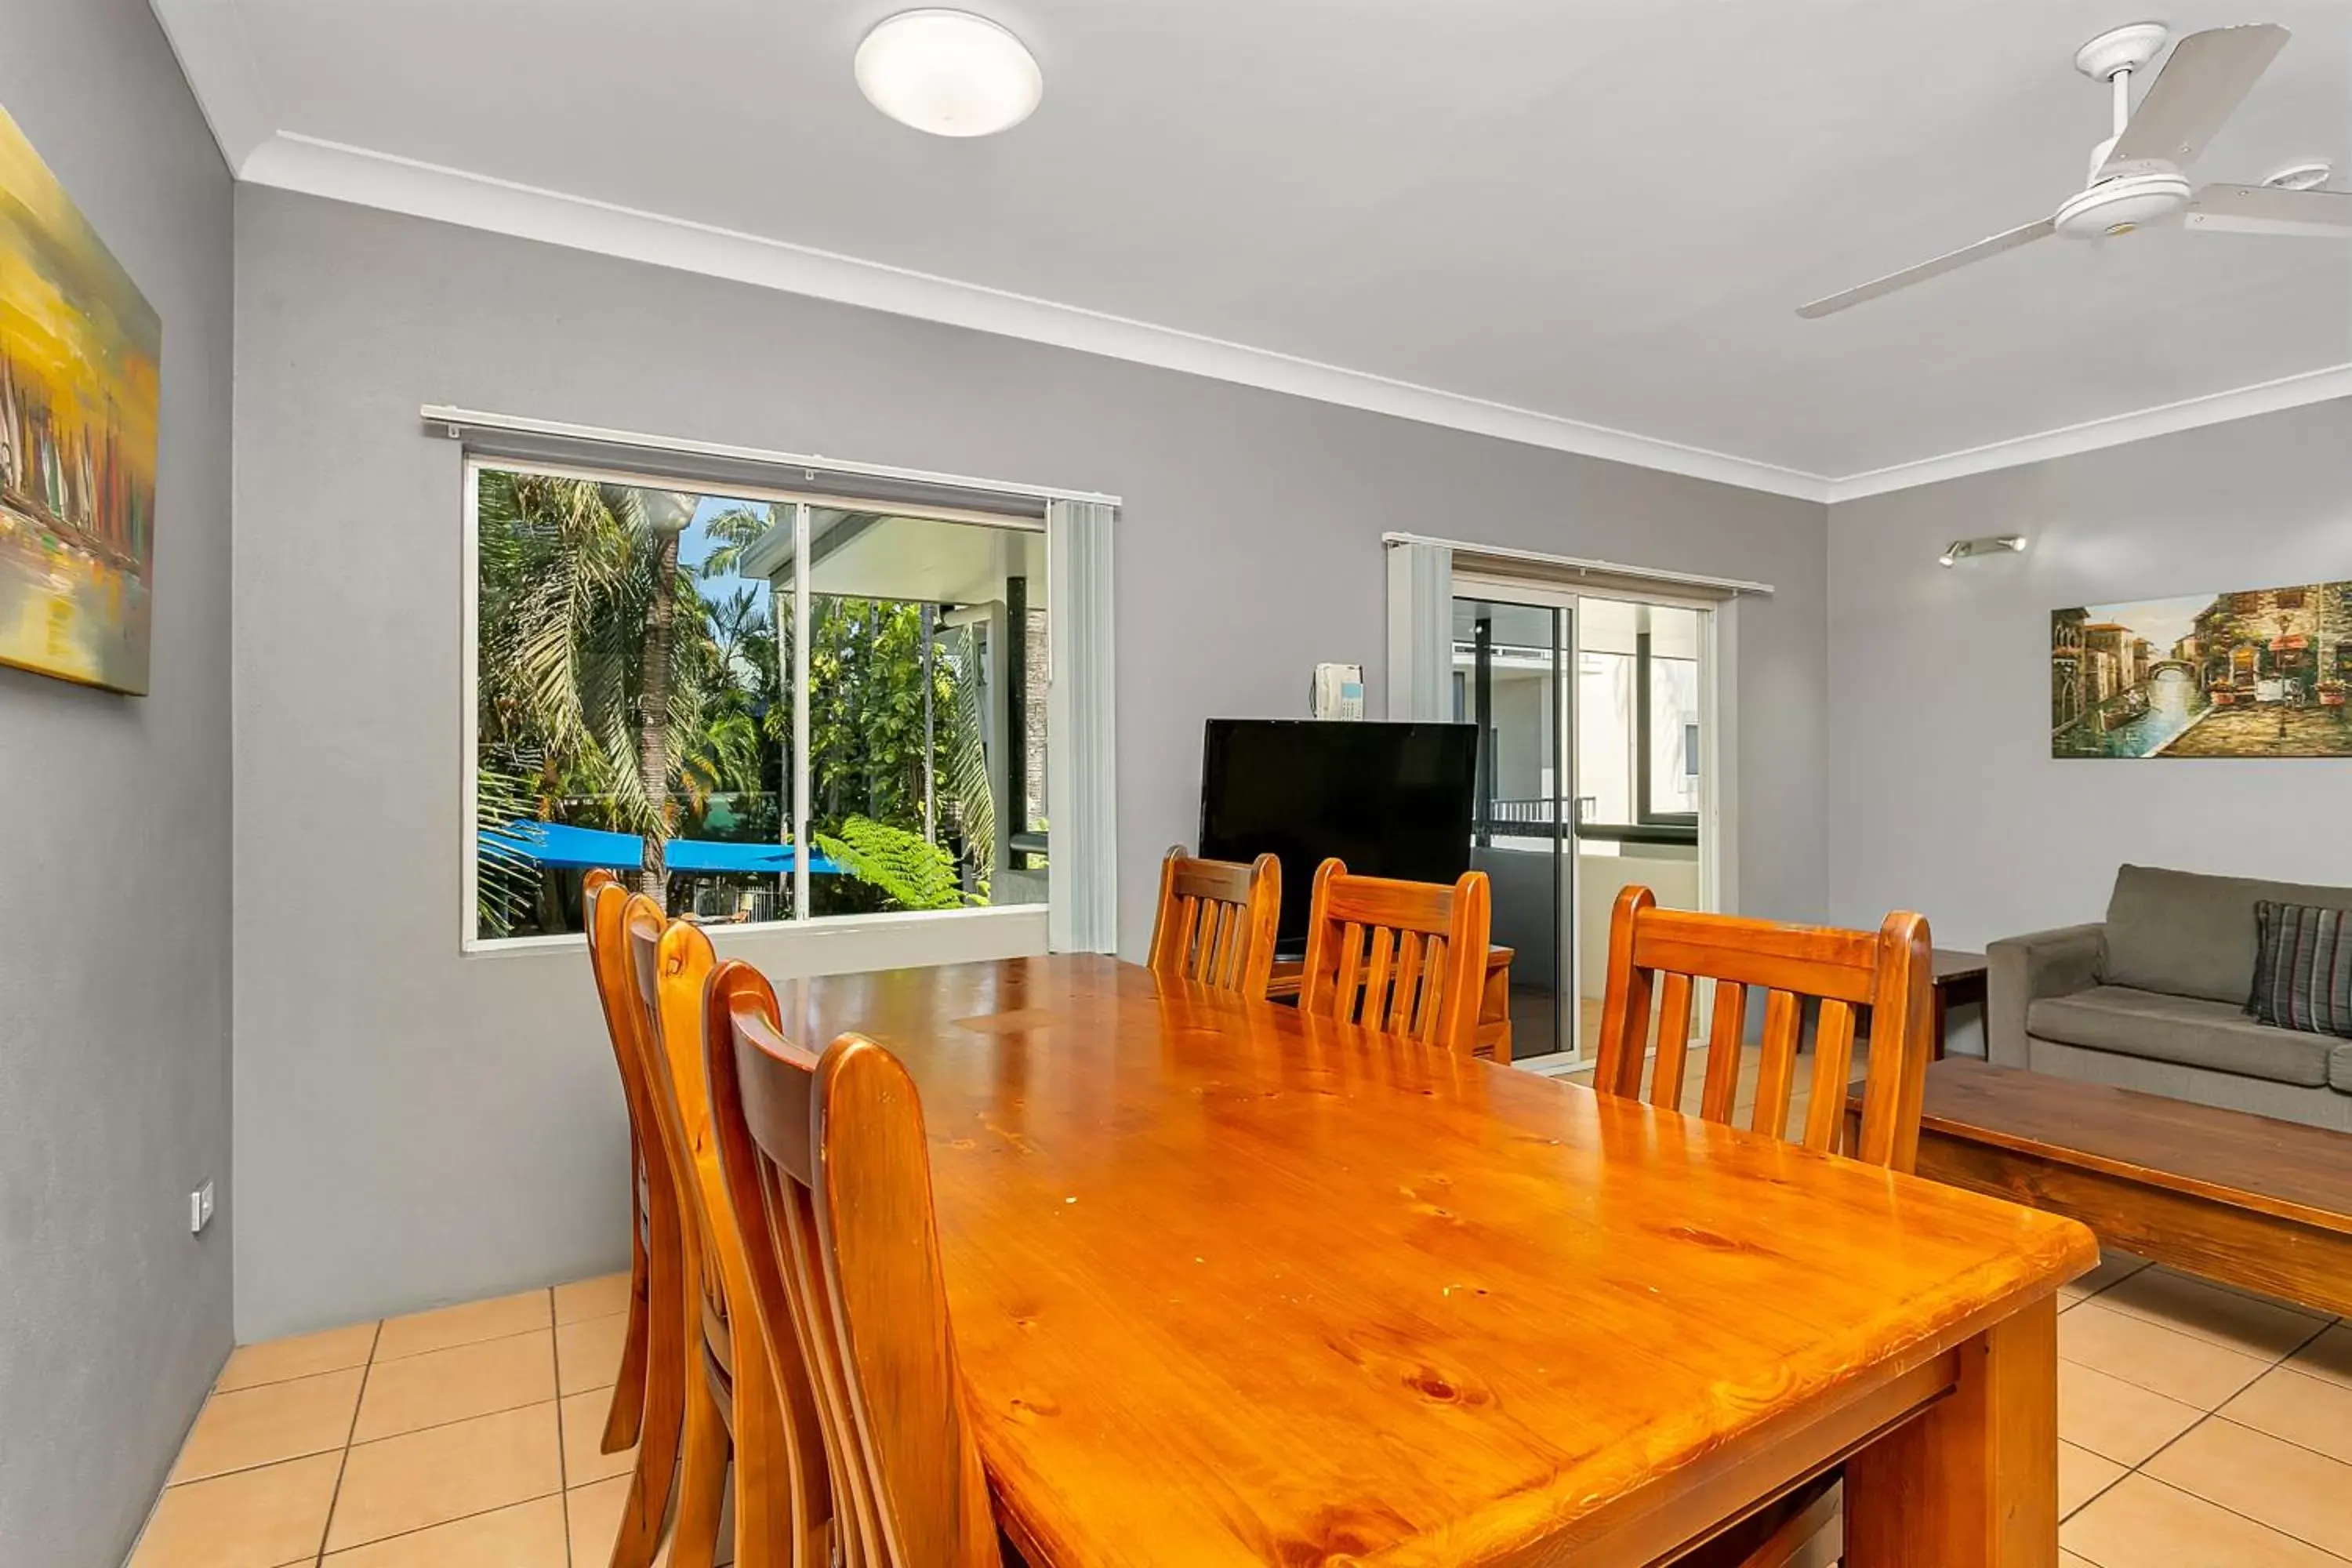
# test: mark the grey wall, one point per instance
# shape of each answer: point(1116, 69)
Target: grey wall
point(1943, 794)
point(418, 1125)
point(114, 939)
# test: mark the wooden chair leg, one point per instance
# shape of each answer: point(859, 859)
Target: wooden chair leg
point(665, 1402)
point(702, 1478)
point(624, 1418)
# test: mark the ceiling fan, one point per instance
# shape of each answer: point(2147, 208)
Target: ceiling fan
point(2135, 175)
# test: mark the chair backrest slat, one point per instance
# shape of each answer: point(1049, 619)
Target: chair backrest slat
point(1380, 957)
point(1725, 1038)
point(1833, 1070)
point(1663, 954)
point(838, 1158)
point(1223, 949)
point(1216, 923)
point(1902, 1020)
point(1674, 1023)
point(1624, 1015)
point(1411, 975)
point(1350, 981)
point(1776, 1076)
point(1405, 957)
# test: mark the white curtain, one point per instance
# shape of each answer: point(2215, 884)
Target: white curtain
point(1421, 631)
point(1081, 755)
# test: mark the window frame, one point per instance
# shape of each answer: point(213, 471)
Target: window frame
point(941, 933)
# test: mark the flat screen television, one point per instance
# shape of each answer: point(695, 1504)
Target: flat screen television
point(1390, 800)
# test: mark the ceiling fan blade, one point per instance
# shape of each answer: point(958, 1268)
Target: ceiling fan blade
point(2263, 209)
point(1926, 269)
point(2207, 77)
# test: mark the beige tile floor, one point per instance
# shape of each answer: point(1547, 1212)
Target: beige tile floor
point(464, 1437)
point(2199, 1427)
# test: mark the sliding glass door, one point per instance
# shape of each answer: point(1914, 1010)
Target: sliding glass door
point(1510, 668)
point(1640, 751)
point(1592, 714)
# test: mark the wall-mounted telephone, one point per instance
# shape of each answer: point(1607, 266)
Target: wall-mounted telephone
point(1338, 691)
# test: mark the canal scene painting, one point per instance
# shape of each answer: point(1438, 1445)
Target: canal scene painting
point(80, 350)
point(2254, 674)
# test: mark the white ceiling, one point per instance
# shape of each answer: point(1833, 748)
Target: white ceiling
point(1585, 223)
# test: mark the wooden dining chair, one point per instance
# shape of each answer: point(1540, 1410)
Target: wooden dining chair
point(1408, 958)
point(1216, 923)
point(624, 1413)
point(1656, 956)
point(739, 1404)
point(653, 1355)
point(830, 1174)
point(1655, 959)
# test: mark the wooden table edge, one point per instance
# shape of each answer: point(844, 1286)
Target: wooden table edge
point(1847, 1414)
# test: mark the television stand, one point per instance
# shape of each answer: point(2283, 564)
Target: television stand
point(1494, 1004)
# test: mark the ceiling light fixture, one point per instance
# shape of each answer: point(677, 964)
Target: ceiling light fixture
point(1960, 550)
point(949, 72)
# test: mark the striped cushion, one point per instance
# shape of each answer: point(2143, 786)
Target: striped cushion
point(2303, 968)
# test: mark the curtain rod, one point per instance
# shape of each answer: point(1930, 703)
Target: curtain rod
point(1582, 567)
point(458, 421)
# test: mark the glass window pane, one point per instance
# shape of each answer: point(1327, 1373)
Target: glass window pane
point(628, 691)
point(1506, 665)
point(1604, 737)
point(928, 667)
point(1674, 713)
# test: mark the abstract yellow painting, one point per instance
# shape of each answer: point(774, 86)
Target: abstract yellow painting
point(80, 353)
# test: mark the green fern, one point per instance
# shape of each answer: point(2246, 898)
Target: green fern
point(967, 779)
point(907, 869)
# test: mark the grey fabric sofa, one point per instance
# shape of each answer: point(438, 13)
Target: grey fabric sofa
point(2153, 998)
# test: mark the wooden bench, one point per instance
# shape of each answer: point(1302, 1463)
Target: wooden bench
point(2247, 1200)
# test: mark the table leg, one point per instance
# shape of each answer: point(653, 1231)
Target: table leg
point(1972, 1481)
point(1943, 1006)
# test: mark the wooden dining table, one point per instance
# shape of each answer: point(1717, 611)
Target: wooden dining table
point(1235, 1286)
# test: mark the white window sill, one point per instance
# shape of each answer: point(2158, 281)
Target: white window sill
point(840, 944)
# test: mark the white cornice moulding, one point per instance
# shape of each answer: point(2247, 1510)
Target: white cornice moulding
point(315, 167)
point(329, 169)
point(2322, 385)
point(208, 39)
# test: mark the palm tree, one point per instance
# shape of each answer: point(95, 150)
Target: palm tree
point(732, 530)
point(666, 514)
point(593, 688)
